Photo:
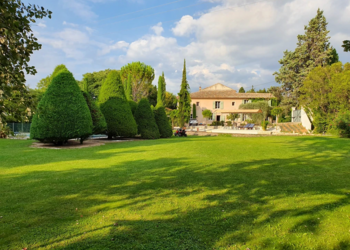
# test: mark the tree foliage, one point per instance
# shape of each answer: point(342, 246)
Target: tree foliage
point(152, 95)
point(93, 82)
point(62, 113)
point(325, 93)
point(184, 109)
point(263, 105)
point(142, 76)
point(170, 100)
point(313, 50)
point(334, 57)
point(194, 111)
point(17, 44)
point(112, 87)
point(98, 120)
point(241, 90)
point(252, 90)
point(346, 45)
point(161, 91)
point(162, 121)
point(128, 88)
point(115, 107)
point(277, 111)
point(146, 122)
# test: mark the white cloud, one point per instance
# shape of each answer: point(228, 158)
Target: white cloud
point(42, 25)
point(81, 9)
point(158, 29)
point(70, 24)
point(118, 45)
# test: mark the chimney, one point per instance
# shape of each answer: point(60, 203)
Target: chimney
point(200, 88)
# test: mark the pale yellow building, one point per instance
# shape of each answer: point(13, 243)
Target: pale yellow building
point(222, 101)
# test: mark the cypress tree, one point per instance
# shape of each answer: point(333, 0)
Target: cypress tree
point(146, 123)
point(194, 111)
point(184, 110)
point(128, 92)
point(160, 92)
point(115, 107)
point(98, 120)
point(164, 88)
point(62, 112)
point(163, 123)
point(241, 90)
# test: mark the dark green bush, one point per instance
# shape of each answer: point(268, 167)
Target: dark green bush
point(62, 112)
point(229, 123)
point(264, 125)
point(120, 121)
point(98, 120)
point(163, 123)
point(115, 107)
point(146, 123)
point(133, 106)
point(112, 87)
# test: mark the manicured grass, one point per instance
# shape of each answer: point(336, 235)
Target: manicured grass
point(178, 193)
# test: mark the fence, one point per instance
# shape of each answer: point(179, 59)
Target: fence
point(19, 127)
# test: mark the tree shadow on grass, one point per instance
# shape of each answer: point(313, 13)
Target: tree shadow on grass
point(239, 205)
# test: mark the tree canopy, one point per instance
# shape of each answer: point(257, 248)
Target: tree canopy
point(346, 45)
point(93, 82)
point(241, 90)
point(313, 50)
point(17, 44)
point(142, 76)
point(325, 93)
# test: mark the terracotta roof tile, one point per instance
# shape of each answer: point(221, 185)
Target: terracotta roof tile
point(228, 94)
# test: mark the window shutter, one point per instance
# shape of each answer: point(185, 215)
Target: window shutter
point(270, 103)
point(250, 101)
point(213, 104)
point(222, 105)
point(222, 118)
point(213, 117)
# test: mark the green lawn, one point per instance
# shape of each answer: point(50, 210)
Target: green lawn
point(178, 193)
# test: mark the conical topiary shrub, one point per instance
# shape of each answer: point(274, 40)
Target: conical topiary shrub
point(98, 120)
point(115, 108)
point(62, 112)
point(146, 123)
point(163, 123)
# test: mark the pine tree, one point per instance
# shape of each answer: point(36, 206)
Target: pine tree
point(184, 100)
point(115, 107)
point(313, 50)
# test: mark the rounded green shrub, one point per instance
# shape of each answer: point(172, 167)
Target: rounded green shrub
point(120, 121)
point(146, 123)
point(115, 107)
point(62, 112)
point(112, 87)
point(163, 123)
point(98, 120)
point(133, 106)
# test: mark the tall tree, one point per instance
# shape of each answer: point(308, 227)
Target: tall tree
point(170, 100)
point(184, 110)
point(17, 44)
point(346, 45)
point(164, 88)
point(313, 50)
point(252, 90)
point(241, 90)
point(161, 85)
point(142, 76)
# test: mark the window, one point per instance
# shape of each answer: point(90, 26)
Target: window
point(233, 103)
point(210, 118)
point(191, 116)
point(245, 101)
point(197, 104)
point(217, 105)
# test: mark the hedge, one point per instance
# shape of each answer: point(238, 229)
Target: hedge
point(98, 119)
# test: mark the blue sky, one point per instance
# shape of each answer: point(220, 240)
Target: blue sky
point(234, 42)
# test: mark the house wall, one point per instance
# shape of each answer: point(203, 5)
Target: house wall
point(208, 104)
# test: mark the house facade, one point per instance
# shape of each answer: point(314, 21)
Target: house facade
point(222, 101)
